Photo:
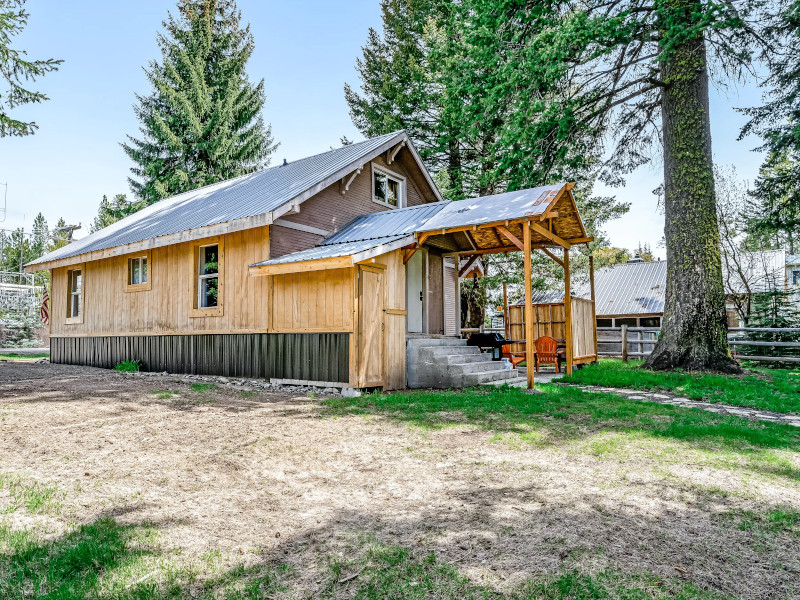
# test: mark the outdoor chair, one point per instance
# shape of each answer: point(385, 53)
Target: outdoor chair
point(514, 357)
point(547, 353)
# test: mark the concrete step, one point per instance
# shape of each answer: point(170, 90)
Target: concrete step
point(488, 376)
point(518, 382)
point(429, 342)
point(430, 352)
point(472, 367)
point(454, 359)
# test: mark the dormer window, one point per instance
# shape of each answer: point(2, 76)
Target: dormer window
point(388, 188)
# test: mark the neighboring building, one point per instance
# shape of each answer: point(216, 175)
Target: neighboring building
point(628, 294)
point(793, 275)
point(634, 293)
point(315, 270)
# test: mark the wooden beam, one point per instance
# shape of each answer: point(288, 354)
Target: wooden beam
point(568, 312)
point(550, 236)
point(500, 250)
point(510, 236)
point(529, 355)
point(470, 239)
point(409, 253)
point(470, 260)
point(390, 154)
point(549, 215)
point(553, 256)
point(594, 315)
point(355, 174)
point(339, 262)
point(424, 236)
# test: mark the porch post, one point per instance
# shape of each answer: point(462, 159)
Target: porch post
point(594, 315)
point(506, 327)
point(568, 312)
point(526, 249)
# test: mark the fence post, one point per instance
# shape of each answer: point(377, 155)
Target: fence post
point(625, 343)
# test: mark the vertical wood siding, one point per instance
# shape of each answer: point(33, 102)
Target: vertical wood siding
point(311, 356)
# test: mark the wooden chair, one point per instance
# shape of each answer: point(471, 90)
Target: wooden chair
point(514, 357)
point(547, 353)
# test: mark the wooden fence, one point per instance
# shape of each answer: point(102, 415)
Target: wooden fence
point(638, 342)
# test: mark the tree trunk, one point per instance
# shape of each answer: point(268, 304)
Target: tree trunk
point(694, 327)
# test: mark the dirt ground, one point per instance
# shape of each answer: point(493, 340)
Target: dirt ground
point(268, 477)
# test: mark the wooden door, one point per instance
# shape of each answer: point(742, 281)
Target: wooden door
point(371, 346)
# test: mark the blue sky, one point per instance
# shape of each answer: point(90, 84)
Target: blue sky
point(305, 51)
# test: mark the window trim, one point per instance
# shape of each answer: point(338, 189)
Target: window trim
point(139, 287)
point(68, 320)
point(194, 289)
point(402, 201)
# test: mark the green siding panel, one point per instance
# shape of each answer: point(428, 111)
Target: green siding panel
point(307, 356)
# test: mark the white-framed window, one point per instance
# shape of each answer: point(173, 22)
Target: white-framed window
point(137, 270)
point(388, 188)
point(795, 277)
point(208, 277)
point(74, 283)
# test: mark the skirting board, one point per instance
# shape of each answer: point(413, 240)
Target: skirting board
point(323, 384)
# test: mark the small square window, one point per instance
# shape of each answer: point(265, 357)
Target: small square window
point(137, 270)
point(388, 189)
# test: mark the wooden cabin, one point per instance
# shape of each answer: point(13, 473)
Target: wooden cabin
point(315, 271)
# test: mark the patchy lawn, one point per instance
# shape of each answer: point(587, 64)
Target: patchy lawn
point(769, 389)
point(119, 486)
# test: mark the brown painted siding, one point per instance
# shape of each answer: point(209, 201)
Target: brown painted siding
point(285, 241)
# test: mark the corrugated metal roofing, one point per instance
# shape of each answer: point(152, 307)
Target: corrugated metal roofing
point(335, 250)
point(490, 209)
point(627, 289)
point(398, 221)
point(793, 259)
point(246, 196)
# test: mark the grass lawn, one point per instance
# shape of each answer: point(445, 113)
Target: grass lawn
point(20, 355)
point(115, 487)
point(770, 389)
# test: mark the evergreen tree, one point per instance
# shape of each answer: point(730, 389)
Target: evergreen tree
point(775, 219)
point(202, 122)
point(636, 73)
point(16, 70)
point(111, 211)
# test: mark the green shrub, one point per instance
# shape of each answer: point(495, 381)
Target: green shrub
point(128, 366)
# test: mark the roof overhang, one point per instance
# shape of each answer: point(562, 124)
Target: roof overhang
point(286, 265)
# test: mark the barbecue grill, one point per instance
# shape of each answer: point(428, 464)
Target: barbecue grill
point(492, 340)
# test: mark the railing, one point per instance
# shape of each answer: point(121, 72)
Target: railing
point(625, 342)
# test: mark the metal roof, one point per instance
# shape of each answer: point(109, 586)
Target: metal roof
point(246, 196)
point(491, 209)
point(626, 289)
point(793, 259)
point(398, 221)
point(376, 245)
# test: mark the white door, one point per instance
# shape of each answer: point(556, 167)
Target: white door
point(415, 292)
point(451, 297)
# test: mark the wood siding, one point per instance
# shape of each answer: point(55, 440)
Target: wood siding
point(310, 357)
point(108, 309)
point(313, 301)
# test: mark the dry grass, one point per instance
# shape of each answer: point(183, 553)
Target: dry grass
point(225, 482)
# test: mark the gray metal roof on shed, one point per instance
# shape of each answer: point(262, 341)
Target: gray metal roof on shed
point(398, 221)
point(626, 289)
point(491, 209)
point(793, 259)
point(250, 195)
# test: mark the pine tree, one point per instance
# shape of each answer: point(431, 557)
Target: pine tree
point(202, 122)
point(111, 211)
point(16, 70)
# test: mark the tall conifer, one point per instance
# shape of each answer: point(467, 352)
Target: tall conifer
point(202, 121)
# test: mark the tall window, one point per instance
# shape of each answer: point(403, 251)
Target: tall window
point(208, 277)
point(74, 294)
point(137, 270)
point(796, 277)
point(388, 189)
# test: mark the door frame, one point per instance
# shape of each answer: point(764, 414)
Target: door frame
point(423, 258)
